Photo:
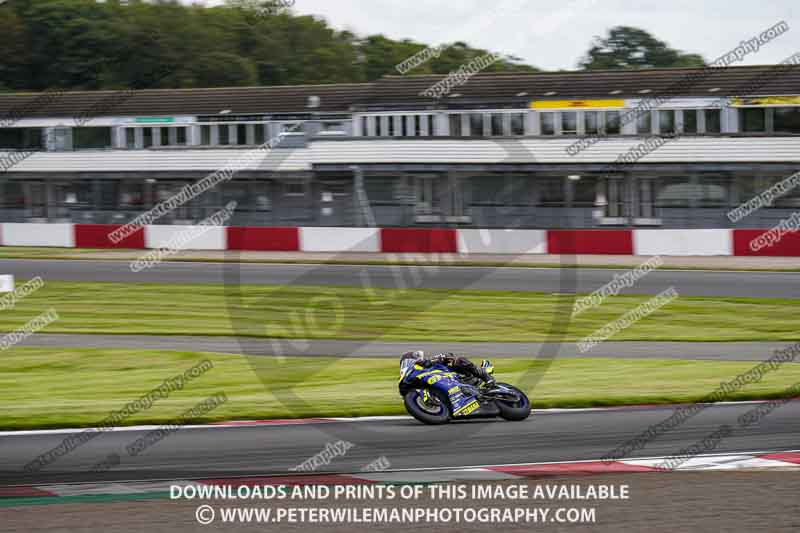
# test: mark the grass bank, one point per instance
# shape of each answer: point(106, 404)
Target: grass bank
point(388, 314)
point(42, 388)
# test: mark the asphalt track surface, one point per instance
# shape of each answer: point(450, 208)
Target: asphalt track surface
point(223, 451)
point(547, 280)
point(267, 450)
point(716, 351)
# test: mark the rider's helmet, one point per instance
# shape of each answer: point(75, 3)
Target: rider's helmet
point(409, 359)
point(416, 355)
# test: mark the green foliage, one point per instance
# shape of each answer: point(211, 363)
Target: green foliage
point(85, 44)
point(628, 47)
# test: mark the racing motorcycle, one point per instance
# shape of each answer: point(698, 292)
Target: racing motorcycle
point(436, 395)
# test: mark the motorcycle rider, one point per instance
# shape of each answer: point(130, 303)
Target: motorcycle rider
point(458, 364)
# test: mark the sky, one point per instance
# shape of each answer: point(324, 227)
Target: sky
point(555, 34)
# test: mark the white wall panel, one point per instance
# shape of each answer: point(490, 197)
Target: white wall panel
point(340, 239)
point(186, 237)
point(61, 235)
point(502, 241)
point(682, 242)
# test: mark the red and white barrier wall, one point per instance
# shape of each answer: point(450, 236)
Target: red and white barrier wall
point(411, 240)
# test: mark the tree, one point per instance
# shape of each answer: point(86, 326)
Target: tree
point(14, 56)
point(117, 44)
point(221, 69)
point(629, 47)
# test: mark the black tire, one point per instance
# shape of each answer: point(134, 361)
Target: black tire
point(412, 402)
point(515, 411)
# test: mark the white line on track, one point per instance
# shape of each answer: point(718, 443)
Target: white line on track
point(328, 420)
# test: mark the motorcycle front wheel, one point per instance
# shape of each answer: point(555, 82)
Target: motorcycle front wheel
point(514, 410)
point(429, 406)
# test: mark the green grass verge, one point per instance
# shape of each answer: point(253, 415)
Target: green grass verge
point(388, 314)
point(42, 388)
point(45, 253)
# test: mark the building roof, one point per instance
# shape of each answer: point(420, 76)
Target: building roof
point(524, 87)
point(239, 100)
point(517, 88)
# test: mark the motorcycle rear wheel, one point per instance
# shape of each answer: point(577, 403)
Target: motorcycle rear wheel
point(433, 411)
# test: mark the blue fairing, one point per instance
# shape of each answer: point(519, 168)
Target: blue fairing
point(462, 398)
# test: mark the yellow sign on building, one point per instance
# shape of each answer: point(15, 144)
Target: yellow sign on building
point(577, 104)
point(766, 100)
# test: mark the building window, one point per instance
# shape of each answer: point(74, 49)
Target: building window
point(431, 126)
point(73, 195)
point(644, 123)
point(476, 124)
point(417, 126)
point(295, 188)
point(753, 119)
point(548, 123)
point(584, 192)
point(88, 138)
point(131, 194)
point(21, 138)
point(147, 134)
point(551, 192)
point(569, 123)
point(261, 133)
point(381, 189)
point(130, 138)
point(615, 192)
point(791, 199)
point(337, 127)
point(241, 134)
point(239, 191)
point(335, 188)
point(427, 196)
point(455, 125)
point(518, 124)
point(490, 189)
point(675, 192)
point(713, 191)
point(13, 196)
point(364, 131)
point(646, 196)
point(713, 121)
point(787, 119)
point(180, 136)
point(591, 122)
point(164, 136)
point(497, 124)
point(666, 121)
point(612, 126)
point(224, 135)
point(261, 192)
point(690, 121)
point(378, 126)
point(205, 135)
